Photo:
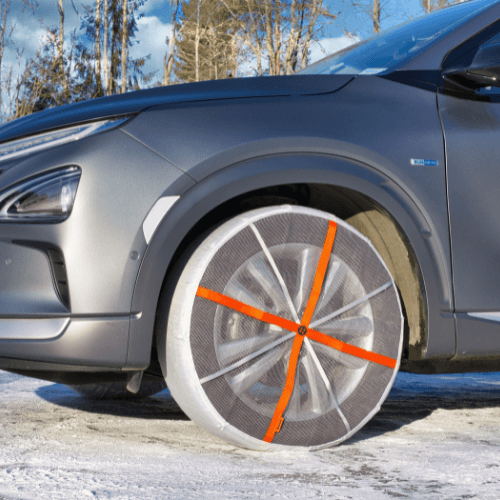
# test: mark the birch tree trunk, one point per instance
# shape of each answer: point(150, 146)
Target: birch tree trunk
point(105, 47)
point(315, 11)
point(60, 47)
point(197, 37)
point(376, 15)
point(292, 39)
point(124, 45)
point(269, 37)
point(252, 37)
point(98, 46)
point(4, 12)
point(168, 62)
point(426, 5)
point(277, 34)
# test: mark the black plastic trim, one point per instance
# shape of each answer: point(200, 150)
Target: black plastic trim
point(425, 79)
point(431, 367)
point(57, 268)
point(459, 59)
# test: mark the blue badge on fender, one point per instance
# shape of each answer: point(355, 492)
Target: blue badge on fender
point(424, 163)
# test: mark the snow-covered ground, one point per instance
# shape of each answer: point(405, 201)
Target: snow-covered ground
point(436, 437)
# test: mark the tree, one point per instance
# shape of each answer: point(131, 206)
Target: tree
point(281, 29)
point(98, 45)
point(111, 26)
point(431, 5)
point(171, 41)
point(105, 49)
point(374, 9)
point(6, 33)
point(41, 84)
point(4, 36)
point(125, 42)
point(60, 45)
point(205, 30)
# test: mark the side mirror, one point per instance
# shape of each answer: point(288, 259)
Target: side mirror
point(484, 70)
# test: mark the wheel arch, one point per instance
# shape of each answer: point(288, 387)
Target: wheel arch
point(357, 193)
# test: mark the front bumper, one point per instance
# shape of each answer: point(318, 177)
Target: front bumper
point(92, 342)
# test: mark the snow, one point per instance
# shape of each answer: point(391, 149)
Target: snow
point(436, 437)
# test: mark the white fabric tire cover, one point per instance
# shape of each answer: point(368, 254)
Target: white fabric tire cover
point(276, 339)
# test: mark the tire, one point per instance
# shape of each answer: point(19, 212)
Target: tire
point(118, 390)
point(284, 330)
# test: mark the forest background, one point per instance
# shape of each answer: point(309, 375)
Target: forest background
point(55, 52)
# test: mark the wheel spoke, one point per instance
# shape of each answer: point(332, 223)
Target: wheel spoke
point(333, 280)
point(293, 408)
point(231, 351)
point(248, 358)
point(346, 328)
point(317, 394)
point(248, 377)
point(305, 276)
point(243, 294)
point(276, 272)
point(265, 278)
point(347, 360)
point(350, 306)
point(319, 367)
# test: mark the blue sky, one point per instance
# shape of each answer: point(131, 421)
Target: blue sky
point(154, 26)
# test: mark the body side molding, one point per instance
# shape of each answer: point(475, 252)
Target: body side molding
point(491, 316)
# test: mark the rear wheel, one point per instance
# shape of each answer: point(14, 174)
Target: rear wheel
point(285, 329)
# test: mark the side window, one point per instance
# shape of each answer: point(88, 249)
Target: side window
point(494, 40)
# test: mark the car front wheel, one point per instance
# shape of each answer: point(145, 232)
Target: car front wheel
point(285, 330)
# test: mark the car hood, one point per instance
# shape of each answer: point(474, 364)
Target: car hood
point(134, 102)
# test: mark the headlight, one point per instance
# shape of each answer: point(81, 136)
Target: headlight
point(47, 140)
point(46, 198)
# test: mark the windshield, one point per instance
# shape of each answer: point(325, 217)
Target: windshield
point(389, 49)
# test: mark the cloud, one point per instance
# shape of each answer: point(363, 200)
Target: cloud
point(29, 38)
point(328, 46)
point(152, 33)
point(155, 5)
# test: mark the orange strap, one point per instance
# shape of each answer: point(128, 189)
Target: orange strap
point(293, 327)
point(353, 350)
point(320, 273)
point(224, 300)
point(277, 420)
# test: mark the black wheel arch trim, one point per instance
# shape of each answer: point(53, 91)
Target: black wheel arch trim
point(275, 170)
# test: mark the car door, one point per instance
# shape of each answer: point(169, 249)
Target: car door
point(470, 115)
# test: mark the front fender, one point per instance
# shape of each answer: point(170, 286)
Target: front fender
point(264, 172)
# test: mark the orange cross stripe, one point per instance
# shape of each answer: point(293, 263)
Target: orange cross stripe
point(319, 277)
point(224, 300)
point(353, 350)
point(320, 274)
point(243, 308)
point(286, 324)
point(277, 421)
